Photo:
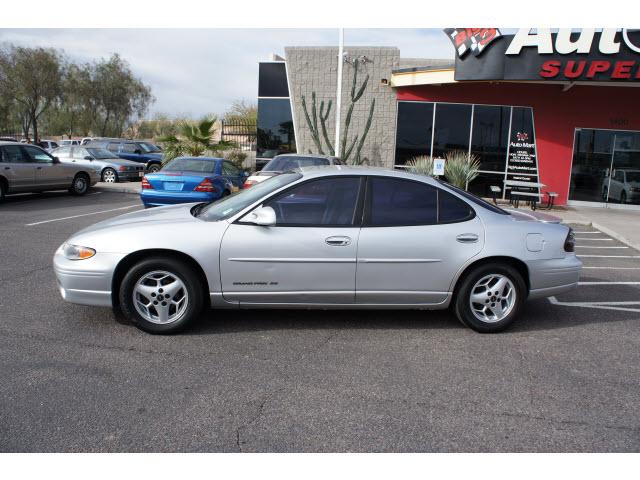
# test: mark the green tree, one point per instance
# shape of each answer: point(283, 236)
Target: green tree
point(241, 111)
point(32, 79)
point(194, 139)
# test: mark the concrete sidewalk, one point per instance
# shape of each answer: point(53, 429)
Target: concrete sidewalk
point(120, 187)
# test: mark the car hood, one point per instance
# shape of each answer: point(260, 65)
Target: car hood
point(529, 216)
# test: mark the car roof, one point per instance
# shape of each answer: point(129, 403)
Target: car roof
point(305, 155)
point(330, 170)
point(199, 158)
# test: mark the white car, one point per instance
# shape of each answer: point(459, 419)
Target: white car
point(287, 162)
point(624, 186)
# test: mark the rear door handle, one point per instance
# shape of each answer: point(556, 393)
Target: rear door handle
point(338, 241)
point(467, 238)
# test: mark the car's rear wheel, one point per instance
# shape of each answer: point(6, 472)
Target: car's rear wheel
point(109, 175)
point(2, 190)
point(161, 295)
point(80, 184)
point(153, 168)
point(623, 197)
point(490, 297)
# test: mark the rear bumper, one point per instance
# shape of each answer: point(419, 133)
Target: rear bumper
point(553, 277)
point(156, 198)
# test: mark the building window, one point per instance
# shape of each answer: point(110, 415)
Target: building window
point(490, 136)
point(452, 128)
point(414, 131)
point(606, 166)
point(275, 128)
point(272, 80)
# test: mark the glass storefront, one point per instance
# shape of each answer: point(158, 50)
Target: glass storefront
point(275, 120)
point(501, 137)
point(606, 166)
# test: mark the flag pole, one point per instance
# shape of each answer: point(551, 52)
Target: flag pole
point(339, 89)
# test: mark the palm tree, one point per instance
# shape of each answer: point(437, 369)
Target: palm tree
point(193, 139)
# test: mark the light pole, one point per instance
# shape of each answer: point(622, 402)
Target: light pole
point(339, 90)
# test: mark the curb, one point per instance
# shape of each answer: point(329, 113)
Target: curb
point(116, 189)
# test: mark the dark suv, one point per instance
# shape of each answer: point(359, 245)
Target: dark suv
point(136, 150)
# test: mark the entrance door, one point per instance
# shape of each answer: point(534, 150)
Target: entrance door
point(308, 256)
point(414, 239)
point(606, 167)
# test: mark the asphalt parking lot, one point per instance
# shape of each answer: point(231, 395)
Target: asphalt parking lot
point(566, 377)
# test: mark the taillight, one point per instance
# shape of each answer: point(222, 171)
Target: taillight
point(249, 183)
point(145, 184)
point(205, 186)
point(570, 242)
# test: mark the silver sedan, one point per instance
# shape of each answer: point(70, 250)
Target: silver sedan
point(331, 237)
point(109, 166)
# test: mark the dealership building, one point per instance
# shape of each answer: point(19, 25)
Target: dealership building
point(557, 110)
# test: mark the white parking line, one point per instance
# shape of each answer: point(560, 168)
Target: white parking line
point(589, 246)
point(608, 283)
point(595, 239)
point(598, 305)
point(610, 268)
point(81, 215)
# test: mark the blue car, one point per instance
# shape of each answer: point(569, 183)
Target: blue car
point(191, 179)
point(139, 151)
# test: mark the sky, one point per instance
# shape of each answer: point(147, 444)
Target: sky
point(195, 72)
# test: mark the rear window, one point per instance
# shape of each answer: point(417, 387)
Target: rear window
point(284, 164)
point(200, 165)
point(477, 200)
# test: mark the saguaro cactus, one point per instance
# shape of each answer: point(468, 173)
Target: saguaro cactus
point(312, 122)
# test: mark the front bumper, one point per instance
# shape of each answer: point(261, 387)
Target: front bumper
point(156, 198)
point(86, 282)
point(553, 277)
point(131, 176)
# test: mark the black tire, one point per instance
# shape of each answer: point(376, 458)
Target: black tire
point(605, 194)
point(154, 167)
point(462, 305)
point(184, 273)
point(80, 184)
point(226, 193)
point(623, 197)
point(109, 175)
point(2, 190)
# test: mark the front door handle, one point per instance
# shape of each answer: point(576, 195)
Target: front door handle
point(7, 168)
point(338, 241)
point(467, 238)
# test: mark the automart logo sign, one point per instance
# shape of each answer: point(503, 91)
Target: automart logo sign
point(566, 55)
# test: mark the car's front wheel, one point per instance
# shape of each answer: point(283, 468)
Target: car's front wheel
point(109, 175)
point(80, 184)
point(161, 295)
point(490, 297)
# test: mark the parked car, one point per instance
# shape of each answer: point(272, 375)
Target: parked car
point(86, 140)
point(289, 161)
point(332, 237)
point(28, 168)
point(48, 145)
point(110, 167)
point(191, 179)
point(69, 143)
point(8, 139)
point(146, 153)
point(623, 187)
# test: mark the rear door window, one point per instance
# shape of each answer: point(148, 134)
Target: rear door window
point(451, 209)
point(130, 148)
point(113, 147)
point(398, 202)
point(14, 154)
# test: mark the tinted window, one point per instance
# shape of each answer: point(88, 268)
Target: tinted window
point(392, 201)
point(413, 135)
point(100, 153)
point(113, 147)
point(13, 154)
point(38, 155)
point(283, 164)
point(451, 209)
point(490, 136)
point(130, 148)
point(272, 80)
point(275, 128)
point(477, 200)
point(326, 201)
point(453, 124)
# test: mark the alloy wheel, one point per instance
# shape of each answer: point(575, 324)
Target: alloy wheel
point(492, 298)
point(160, 297)
point(109, 176)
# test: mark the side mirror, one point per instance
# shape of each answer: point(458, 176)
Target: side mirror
point(88, 157)
point(264, 216)
point(137, 151)
point(56, 160)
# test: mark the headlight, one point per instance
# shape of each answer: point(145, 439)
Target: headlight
point(76, 252)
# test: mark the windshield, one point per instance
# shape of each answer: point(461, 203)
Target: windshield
point(477, 200)
point(284, 164)
point(101, 153)
point(149, 147)
point(232, 204)
point(183, 164)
